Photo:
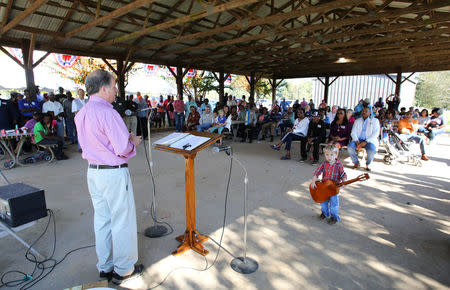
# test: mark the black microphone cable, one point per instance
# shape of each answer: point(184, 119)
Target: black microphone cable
point(41, 268)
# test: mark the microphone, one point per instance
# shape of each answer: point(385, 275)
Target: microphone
point(221, 148)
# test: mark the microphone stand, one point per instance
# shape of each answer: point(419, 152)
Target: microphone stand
point(244, 265)
point(155, 231)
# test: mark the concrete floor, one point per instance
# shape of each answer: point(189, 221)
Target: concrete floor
point(394, 231)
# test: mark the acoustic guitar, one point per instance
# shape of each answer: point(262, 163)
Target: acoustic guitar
point(325, 189)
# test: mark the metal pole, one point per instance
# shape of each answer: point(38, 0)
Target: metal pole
point(244, 265)
point(12, 233)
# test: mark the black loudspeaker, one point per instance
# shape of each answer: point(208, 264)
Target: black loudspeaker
point(21, 204)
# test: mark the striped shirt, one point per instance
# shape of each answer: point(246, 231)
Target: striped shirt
point(333, 171)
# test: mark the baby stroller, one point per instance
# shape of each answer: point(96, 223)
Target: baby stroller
point(398, 149)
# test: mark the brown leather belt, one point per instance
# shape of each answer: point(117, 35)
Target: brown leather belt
point(94, 166)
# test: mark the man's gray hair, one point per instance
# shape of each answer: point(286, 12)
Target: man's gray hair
point(97, 79)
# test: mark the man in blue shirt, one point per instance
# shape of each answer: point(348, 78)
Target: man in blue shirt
point(204, 105)
point(27, 106)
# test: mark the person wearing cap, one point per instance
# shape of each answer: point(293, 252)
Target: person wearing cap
point(316, 135)
point(366, 103)
point(365, 132)
point(108, 146)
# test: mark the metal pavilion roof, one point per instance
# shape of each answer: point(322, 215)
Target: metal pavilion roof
point(283, 39)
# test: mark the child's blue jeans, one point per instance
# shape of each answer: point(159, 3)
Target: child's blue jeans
point(331, 206)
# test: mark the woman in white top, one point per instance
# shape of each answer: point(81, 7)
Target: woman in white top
point(297, 133)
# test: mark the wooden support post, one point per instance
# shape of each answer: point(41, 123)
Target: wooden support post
point(27, 55)
point(274, 89)
point(221, 80)
point(179, 79)
point(398, 83)
point(252, 86)
point(120, 73)
point(325, 91)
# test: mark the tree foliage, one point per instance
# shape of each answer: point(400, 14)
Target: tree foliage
point(80, 70)
point(433, 90)
point(84, 66)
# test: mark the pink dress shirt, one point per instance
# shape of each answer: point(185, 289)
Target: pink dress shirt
point(102, 134)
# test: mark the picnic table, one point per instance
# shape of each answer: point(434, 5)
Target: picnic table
point(6, 146)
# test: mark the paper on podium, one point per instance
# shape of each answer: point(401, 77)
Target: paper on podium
point(183, 141)
point(189, 142)
point(172, 138)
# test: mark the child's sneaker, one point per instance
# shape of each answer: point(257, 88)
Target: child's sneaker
point(332, 221)
point(322, 216)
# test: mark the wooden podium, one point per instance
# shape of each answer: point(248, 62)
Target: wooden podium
point(191, 239)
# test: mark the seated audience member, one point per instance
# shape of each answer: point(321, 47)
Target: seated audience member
point(204, 106)
point(249, 117)
point(365, 132)
point(407, 127)
point(220, 123)
point(43, 136)
point(423, 120)
point(55, 108)
point(379, 103)
point(234, 114)
point(316, 135)
point(332, 114)
point(358, 109)
point(437, 124)
point(261, 119)
point(311, 105)
point(322, 105)
point(206, 120)
point(274, 119)
point(402, 113)
point(193, 119)
point(340, 130)
point(323, 116)
point(287, 120)
point(297, 133)
point(32, 122)
point(302, 104)
point(350, 117)
point(308, 111)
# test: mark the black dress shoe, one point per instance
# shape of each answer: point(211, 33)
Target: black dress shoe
point(271, 138)
point(106, 275)
point(118, 280)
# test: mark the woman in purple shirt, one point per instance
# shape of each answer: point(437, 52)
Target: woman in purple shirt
point(340, 129)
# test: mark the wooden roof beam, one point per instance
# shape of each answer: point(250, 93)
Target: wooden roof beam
point(338, 23)
point(184, 19)
point(114, 14)
point(19, 18)
point(269, 19)
point(6, 12)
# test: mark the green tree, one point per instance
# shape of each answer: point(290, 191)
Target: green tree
point(433, 90)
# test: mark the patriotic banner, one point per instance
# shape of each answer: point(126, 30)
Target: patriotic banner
point(150, 69)
point(228, 80)
point(169, 73)
point(17, 53)
point(191, 73)
point(65, 60)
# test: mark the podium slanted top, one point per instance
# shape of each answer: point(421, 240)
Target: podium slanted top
point(188, 143)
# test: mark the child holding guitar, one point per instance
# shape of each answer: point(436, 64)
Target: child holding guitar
point(331, 169)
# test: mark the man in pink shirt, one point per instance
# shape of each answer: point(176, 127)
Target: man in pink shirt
point(107, 146)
